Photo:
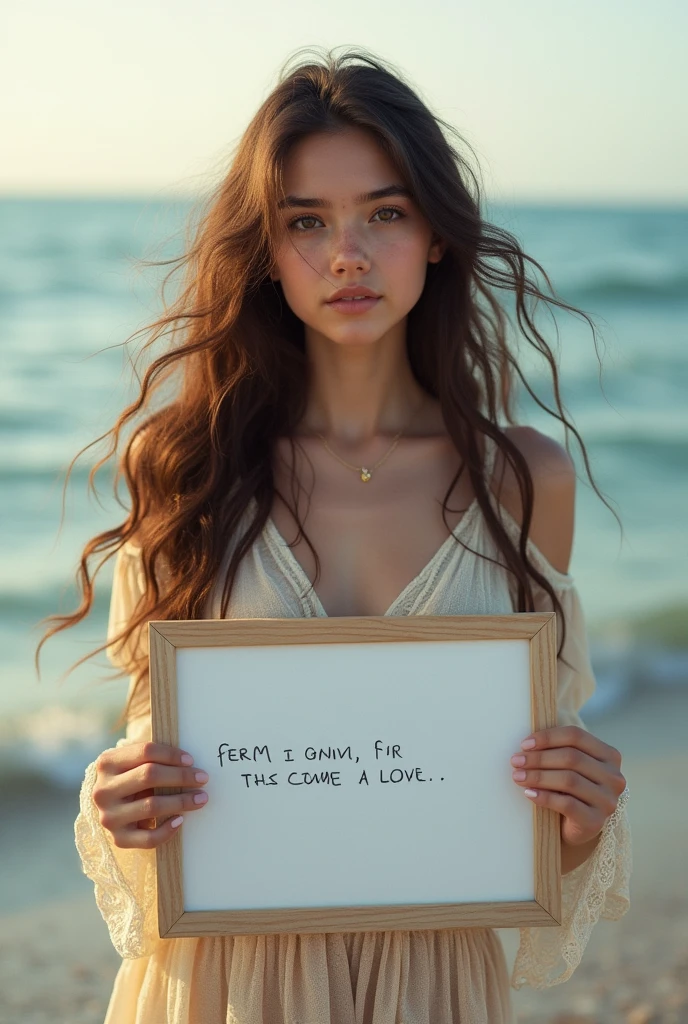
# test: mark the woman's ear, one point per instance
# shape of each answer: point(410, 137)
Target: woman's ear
point(437, 249)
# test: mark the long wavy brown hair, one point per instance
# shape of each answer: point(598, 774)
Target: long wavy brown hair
point(235, 356)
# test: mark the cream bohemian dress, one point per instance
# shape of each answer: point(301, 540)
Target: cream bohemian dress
point(394, 977)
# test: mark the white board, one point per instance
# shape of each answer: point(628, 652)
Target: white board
point(456, 828)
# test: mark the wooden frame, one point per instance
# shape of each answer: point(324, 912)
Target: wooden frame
point(539, 629)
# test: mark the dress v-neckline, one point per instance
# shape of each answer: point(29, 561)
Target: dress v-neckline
point(286, 553)
point(297, 571)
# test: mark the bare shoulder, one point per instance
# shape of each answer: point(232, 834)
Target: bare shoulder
point(554, 485)
point(547, 459)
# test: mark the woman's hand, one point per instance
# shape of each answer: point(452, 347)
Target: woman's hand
point(123, 793)
point(570, 771)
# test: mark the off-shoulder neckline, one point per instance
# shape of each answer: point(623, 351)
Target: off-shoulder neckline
point(561, 578)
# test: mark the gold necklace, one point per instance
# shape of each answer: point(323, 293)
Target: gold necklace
point(364, 472)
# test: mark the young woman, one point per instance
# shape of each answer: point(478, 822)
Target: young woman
point(323, 455)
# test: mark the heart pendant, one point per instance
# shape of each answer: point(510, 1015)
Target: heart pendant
point(365, 474)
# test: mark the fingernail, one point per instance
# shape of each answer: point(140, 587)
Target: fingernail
point(187, 759)
point(518, 760)
point(527, 744)
point(201, 776)
point(200, 798)
point(176, 822)
point(518, 776)
point(530, 792)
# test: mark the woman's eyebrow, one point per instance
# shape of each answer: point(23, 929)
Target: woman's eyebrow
point(364, 197)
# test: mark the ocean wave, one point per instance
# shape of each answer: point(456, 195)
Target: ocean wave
point(625, 287)
point(663, 453)
point(25, 473)
point(32, 605)
point(55, 744)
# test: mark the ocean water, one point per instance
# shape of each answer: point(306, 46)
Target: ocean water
point(70, 293)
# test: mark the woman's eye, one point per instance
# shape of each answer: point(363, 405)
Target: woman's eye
point(384, 209)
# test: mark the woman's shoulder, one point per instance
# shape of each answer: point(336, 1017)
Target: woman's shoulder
point(546, 457)
point(554, 489)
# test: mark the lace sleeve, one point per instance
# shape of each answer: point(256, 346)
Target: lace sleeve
point(599, 887)
point(124, 880)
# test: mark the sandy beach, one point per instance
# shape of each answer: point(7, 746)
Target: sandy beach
point(57, 963)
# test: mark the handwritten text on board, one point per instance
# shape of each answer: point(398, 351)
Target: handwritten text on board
point(262, 755)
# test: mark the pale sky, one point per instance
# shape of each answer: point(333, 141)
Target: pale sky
point(568, 101)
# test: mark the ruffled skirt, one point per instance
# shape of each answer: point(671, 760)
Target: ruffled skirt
point(452, 976)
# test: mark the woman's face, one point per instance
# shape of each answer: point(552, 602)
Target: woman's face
point(384, 244)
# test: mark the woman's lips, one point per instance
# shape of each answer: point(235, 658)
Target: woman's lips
point(354, 305)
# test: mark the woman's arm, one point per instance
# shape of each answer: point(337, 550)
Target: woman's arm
point(573, 856)
point(596, 867)
point(567, 769)
point(124, 879)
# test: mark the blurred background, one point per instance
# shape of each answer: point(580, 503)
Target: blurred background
point(114, 121)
